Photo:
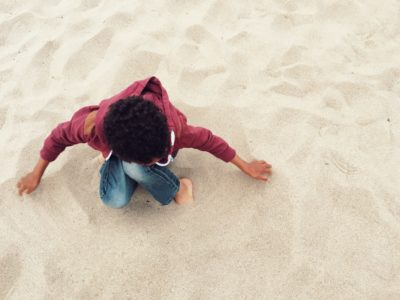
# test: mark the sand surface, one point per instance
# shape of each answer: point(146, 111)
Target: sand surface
point(310, 86)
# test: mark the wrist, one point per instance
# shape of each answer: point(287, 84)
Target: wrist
point(240, 163)
point(40, 168)
point(37, 173)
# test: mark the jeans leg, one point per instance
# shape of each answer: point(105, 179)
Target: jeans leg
point(116, 188)
point(160, 182)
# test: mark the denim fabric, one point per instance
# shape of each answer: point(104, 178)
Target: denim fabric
point(119, 180)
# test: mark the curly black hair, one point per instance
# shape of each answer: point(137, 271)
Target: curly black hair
point(136, 130)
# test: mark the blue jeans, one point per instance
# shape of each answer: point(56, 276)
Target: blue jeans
point(119, 180)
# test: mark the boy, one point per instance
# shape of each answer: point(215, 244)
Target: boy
point(139, 132)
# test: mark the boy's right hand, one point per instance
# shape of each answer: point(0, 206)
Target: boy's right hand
point(28, 183)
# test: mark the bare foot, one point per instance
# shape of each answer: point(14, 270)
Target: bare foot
point(185, 193)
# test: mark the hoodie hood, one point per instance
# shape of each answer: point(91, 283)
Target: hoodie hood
point(151, 84)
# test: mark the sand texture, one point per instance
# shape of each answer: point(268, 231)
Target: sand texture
point(310, 86)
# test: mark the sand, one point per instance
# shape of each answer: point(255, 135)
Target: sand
point(310, 86)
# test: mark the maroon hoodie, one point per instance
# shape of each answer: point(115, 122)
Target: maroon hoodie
point(187, 136)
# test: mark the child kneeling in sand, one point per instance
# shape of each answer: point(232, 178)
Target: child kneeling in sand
point(139, 132)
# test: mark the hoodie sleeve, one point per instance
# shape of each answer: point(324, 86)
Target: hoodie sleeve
point(203, 139)
point(65, 134)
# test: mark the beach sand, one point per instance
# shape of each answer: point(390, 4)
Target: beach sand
point(310, 86)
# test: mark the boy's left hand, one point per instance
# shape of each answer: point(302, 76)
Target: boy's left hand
point(258, 169)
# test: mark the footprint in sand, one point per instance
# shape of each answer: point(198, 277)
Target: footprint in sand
point(18, 28)
point(190, 78)
point(220, 14)
point(198, 34)
point(333, 103)
point(302, 153)
point(89, 55)
point(39, 68)
point(306, 76)
point(240, 39)
point(341, 163)
point(333, 99)
point(351, 90)
point(81, 27)
point(356, 201)
point(186, 54)
point(302, 72)
point(289, 89)
point(235, 85)
point(356, 95)
point(137, 64)
point(237, 82)
point(121, 20)
point(10, 266)
point(293, 55)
